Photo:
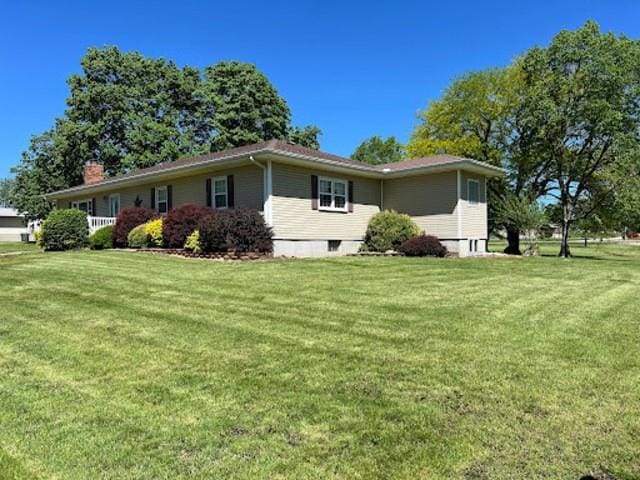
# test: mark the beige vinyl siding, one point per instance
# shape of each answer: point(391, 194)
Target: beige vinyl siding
point(248, 183)
point(431, 200)
point(294, 219)
point(474, 217)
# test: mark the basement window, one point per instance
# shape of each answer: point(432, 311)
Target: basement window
point(334, 245)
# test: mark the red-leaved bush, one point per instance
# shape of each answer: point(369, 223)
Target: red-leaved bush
point(423, 246)
point(181, 222)
point(127, 220)
point(241, 230)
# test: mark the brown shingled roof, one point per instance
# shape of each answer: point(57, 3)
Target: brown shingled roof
point(288, 149)
point(421, 162)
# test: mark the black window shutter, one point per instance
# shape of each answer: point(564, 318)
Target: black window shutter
point(230, 192)
point(69, 204)
point(93, 206)
point(208, 192)
point(314, 192)
point(153, 198)
point(169, 197)
point(350, 207)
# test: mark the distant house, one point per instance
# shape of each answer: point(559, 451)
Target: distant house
point(317, 203)
point(11, 225)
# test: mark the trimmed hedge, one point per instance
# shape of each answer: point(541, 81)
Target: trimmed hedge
point(65, 229)
point(239, 230)
point(423, 246)
point(181, 222)
point(102, 238)
point(138, 237)
point(388, 230)
point(247, 231)
point(127, 220)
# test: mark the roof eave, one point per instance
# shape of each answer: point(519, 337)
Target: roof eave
point(366, 170)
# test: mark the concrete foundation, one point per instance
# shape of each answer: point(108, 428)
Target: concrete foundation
point(314, 248)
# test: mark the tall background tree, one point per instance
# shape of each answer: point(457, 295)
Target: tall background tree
point(560, 120)
point(6, 191)
point(376, 151)
point(480, 116)
point(127, 111)
point(584, 100)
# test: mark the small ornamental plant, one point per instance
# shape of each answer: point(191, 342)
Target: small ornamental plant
point(423, 246)
point(193, 243)
point(153, 229)
point(138, 237)
point(102, 238)
point(127, 220)
point(180, 222)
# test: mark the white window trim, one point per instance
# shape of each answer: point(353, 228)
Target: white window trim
point(333, 208)
point(89, 203)
point(226, 191)
point(166, 199)
point(111, 212)
point(469, 182)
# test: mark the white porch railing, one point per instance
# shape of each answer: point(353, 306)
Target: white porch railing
point(98, 222)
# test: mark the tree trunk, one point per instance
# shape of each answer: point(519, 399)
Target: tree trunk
point(513, 238)
point(565, 251)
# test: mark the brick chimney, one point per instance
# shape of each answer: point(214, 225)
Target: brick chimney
point(93, 173)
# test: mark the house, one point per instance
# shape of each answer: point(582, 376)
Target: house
point(317, 203)
point(11, 225)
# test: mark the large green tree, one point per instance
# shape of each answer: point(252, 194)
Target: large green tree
point(376, 151)
point(480, 116)
point(127, 111)
point(583, 100)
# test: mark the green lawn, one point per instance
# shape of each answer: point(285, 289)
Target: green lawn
point(131, 366)
point(11, 247)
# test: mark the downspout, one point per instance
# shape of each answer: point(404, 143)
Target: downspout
point(266, 189)
point(459, 203)
point(384, 171)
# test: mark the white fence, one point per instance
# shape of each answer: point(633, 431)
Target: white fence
point(98, 222)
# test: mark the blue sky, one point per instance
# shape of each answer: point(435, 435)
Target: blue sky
point(355, 69)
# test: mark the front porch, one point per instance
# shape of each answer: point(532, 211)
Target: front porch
point(96, 223)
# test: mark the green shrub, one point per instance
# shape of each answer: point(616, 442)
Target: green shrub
point(193, 242)
point(65, 229)
point(388, 230)
point(153, 229)
point(138, 237)
point(102, 238)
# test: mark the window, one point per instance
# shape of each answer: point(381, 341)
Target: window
point(473, 190)
point(334, 245)
point(162, 200)
point(84, 206)
point(219, 192)
point(333, 194)
point(114, 205)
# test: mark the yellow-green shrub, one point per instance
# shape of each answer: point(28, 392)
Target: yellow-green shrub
point(153, 229)
point(193, 242)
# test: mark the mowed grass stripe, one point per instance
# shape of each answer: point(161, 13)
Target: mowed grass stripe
point(137, 366)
